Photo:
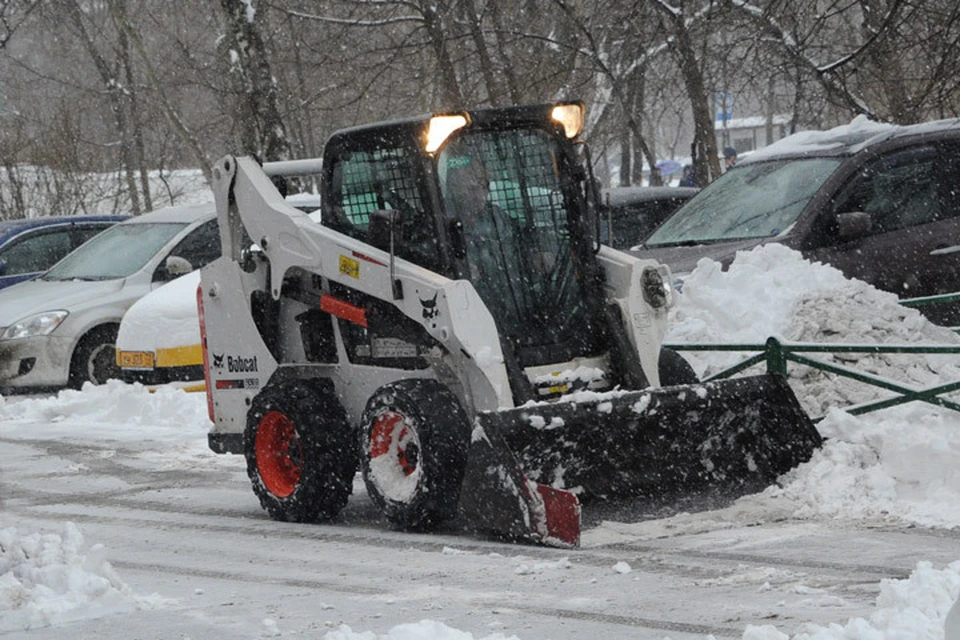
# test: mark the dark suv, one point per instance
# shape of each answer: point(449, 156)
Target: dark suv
point(879, 202)
point(634, 212)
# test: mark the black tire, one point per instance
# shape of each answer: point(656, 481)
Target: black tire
point(300, 451)
point(415, 436)
point(95, 358)
point(674, 369)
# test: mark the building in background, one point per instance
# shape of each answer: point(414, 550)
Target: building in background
point(751, 133)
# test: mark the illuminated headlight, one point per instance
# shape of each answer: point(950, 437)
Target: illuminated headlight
point(442, 127)
point(40, 324)
point(655, 291)
point(570, 116)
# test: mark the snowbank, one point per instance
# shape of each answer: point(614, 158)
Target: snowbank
point(51, 580)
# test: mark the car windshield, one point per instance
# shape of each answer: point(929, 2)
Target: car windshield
point(115, 253)
point(754, 200)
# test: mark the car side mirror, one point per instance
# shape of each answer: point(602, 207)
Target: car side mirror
point(3, 267)
point(177, 266)
point(854, 224)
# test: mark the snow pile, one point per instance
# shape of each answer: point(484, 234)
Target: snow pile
point(772, 291)
point(897, 465)
point(47, 580)
point(114, 411)
point(914, 608)
point(901, 467)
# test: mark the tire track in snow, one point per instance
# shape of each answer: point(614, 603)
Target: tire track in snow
point(353, 589)
point(650, 558)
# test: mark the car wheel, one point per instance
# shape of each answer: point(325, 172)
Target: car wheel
point(95, 358)
point(300, 451)
point(414, 454)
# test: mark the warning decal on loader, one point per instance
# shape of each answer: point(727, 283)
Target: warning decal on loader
point(350, 267)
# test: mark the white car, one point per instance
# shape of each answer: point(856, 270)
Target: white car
point(159, 338)
point(60, 329)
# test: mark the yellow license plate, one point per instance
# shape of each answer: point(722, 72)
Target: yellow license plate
point(135, 359)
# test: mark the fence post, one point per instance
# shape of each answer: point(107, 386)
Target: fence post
point(776, 360)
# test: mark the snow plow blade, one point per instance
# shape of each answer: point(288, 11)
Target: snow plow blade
point(528, 465)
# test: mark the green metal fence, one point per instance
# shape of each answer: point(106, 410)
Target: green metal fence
point(776, 354)
point(926, 301)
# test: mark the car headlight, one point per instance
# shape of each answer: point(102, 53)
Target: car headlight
point(39, 324)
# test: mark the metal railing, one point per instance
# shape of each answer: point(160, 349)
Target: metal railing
point(776, 354)
point(944, 298)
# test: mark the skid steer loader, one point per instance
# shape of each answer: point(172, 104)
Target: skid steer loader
point(453, 328)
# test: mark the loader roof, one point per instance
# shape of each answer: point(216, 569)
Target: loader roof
point(501, 117)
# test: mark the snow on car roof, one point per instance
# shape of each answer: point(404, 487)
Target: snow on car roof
point(846, 139)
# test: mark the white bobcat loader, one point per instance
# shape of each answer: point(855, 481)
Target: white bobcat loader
point(453, 329)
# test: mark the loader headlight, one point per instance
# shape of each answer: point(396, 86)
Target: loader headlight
point(570, 116)
point(39, 324)
point(655, 291)
point(441, 127)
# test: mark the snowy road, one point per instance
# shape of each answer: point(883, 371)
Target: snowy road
point(118, 523)
point(180, 523)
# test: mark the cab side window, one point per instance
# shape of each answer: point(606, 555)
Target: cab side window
point(383, 178)
point(898, 190)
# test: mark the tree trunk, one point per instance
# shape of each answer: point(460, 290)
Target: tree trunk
point(261, 125)
point(494, 94)
point(118, 10)
point(115, 93)
point(706, 161)
point(450, 86)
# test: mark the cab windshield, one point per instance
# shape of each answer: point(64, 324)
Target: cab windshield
point(753, 200)
point(504, 192)
point(116, 253)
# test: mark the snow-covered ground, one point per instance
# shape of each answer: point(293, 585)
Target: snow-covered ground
point(862, 542)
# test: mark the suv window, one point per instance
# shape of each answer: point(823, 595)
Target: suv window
point(899, 190)
point(36, 251)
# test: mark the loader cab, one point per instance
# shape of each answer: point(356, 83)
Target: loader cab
point(497, 199)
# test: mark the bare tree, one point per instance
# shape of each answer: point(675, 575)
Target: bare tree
point(258, 115)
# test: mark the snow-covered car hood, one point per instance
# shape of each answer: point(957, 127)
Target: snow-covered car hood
point(37, 296)
point(165, 318)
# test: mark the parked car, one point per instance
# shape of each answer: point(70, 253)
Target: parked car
point(879, 202)
point(31, 246)
point(634, 212)
point(60, 328)
point(159, 337)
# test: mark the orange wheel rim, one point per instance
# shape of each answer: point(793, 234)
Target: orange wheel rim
point(278, 454)
point(391, 434)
